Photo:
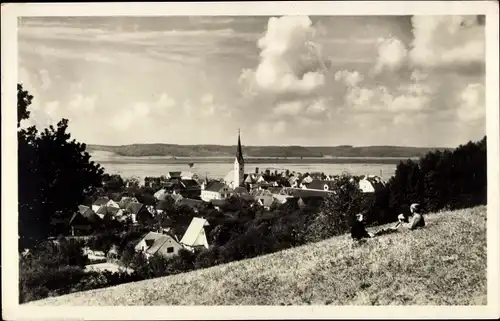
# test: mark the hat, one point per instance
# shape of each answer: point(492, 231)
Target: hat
point(414, 207)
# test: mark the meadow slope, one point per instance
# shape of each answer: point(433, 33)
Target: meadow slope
point(443, 264)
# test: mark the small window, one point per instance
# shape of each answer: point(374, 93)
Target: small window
point(170, 250)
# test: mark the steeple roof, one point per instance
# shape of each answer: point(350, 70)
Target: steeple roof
point(239, 152)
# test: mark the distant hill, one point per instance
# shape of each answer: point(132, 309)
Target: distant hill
point(137, 150)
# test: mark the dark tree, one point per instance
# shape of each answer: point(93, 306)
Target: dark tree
point(55, 175)
point(23, 101)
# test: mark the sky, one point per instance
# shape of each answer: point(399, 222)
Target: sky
point(284, 80)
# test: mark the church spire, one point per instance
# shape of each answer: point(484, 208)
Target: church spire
point(239, 153)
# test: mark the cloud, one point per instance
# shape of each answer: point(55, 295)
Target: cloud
point(349, 78)
point(392, 55)
point(472, 103)
point(143, 113)
point(447, 42)
point(289, 59)
point(80, 103)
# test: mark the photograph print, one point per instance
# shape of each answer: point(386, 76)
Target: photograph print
point(277, 160)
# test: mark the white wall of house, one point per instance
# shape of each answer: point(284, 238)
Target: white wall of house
point(207, 196)
point(366, 186)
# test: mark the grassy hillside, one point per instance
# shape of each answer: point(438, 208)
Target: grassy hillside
point(261, 151)
point(443, 264)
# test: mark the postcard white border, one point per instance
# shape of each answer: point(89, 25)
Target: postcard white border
point(12, 310)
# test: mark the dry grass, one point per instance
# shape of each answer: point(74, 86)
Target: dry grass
point(443, 264)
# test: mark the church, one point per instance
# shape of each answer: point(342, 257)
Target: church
point(236, 177)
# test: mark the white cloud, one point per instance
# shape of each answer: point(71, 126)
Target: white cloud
point(444, 41)
point(349, 78)
point(142, 112)
point(45, 80)
point(292, 108)
point(81, 103)
point(289, 59)
point(392, 55)
point(472, 103)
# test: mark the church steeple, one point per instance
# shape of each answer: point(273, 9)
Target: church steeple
point(239, 152)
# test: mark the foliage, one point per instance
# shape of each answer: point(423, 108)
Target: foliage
point(451, 179)
point(50, 184)
point(336, 211)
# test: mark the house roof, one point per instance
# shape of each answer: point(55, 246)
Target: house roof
point(161, 194)
point(156, 241)
point(101, 201)
point(82, 209)
point(218, 202)
point(215, 186)
point(195, 204)
point(275, 189)
point(319, 184)
point(126, 201)
point(240, 190)
point(163, 204)
point(249, 179)
point(267, 200)
point(135, 208)
point(103, 210)
point(305, 193)
point(193, 231)
point(190, 183)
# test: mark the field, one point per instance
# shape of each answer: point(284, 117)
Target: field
point(443, 264)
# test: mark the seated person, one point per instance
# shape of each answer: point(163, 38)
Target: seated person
point(358, 230)
point(414, 220)
point(417, 220)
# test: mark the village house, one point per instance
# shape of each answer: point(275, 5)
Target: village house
point(126, 200)
point(370, 183)
point(322, 185)
point(83, 221)
point(138, 212)
point(215, 191)
point(193, 204)
point(158, 243)
point(104, 201)
point(109, 212)
point(267, 201)
point(195, 235)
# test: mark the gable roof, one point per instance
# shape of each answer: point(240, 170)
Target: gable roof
point(267, 200)
point(82, 209)
point(193, 231)
point(175, 174)
point(190, 183)
point(101, 201)
point(161, 194)
point(240, 190)
point(126, 201)
point(319, 184)
point(135, 208)
point(156, 241)
point(215, 186)
point(103, 210)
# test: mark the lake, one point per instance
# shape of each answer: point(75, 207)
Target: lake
point(141, 167)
